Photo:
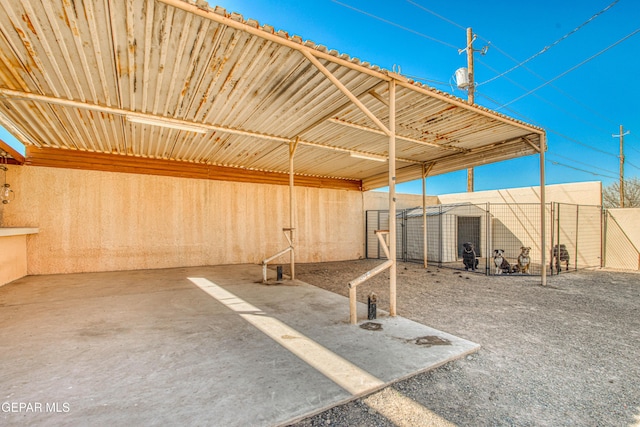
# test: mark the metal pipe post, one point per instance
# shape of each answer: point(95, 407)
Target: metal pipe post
point(392, 197)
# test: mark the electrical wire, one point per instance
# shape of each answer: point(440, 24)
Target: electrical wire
point(631, 164)
point(562, 110)
point(546, 48)
point(424, 79)
point(521, 64)
point(579, 162)
point(633, 33)
point(581, 170)
point(436, 15)
point(532, 121)
point(386, 21)
point(586, 107)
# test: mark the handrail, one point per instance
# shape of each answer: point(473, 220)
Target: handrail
point(353, 314)
point(282, 252)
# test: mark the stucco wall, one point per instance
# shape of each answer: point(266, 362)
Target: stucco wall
point(378, 200)
point(580, 193)
point(623, 239)
point(100, 221)
point(13, 265)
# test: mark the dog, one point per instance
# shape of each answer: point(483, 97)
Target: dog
point(501, 263)
point(469, 256)
point(560, 255)
point(523, 261)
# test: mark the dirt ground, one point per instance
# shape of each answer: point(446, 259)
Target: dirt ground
point(567, 354)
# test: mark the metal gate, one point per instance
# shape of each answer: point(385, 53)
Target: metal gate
point(574, 235)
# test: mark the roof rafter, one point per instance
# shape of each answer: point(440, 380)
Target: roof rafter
point(404, 138)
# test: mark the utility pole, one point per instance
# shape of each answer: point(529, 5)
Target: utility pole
point(470, 95)
point(621, 136)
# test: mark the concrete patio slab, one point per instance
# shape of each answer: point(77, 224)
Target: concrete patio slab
point(159, 347)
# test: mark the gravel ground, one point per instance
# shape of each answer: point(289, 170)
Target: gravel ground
point(563, 355)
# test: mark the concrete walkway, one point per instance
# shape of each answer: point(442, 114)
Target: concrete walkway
point(193, 346)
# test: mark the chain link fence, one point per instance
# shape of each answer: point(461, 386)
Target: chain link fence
point(506, 238)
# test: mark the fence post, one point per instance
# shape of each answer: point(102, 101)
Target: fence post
point(553, 230)
point(575, 262)
point(488, 239)
point(405, 233)
point(603, 237)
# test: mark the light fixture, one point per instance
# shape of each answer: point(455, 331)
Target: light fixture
point(165, 123)
point(373, 157)
point(6, 193)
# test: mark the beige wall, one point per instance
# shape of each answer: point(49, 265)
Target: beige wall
point(100, 221)
point(623, 239)
point(13, 265)
point(580, 193)
point(377, 200)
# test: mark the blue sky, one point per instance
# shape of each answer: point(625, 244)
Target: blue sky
point(580, 89)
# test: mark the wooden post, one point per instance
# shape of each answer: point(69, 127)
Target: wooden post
point(392, 197)
point(621, 168)
point(470, 95)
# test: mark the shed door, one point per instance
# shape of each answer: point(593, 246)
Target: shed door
point(469, 231)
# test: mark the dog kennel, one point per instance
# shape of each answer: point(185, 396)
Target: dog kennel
point(574, 234)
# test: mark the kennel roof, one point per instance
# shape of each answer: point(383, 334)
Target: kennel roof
point(125, 83)
point(435, 210)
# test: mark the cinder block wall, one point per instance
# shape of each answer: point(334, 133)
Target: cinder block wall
point(101, 221)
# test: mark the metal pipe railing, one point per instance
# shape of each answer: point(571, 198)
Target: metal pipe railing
point(282, 252)
point(353, 311)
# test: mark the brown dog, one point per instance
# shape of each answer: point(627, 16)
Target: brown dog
point(523, 260)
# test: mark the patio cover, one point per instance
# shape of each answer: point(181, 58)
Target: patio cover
point(182, 82)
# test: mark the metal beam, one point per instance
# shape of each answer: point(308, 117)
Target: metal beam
point(337, 83)
point(425, 171)
point(403, 138)
point(14, 94)
point(336, 110)
point(534, 146)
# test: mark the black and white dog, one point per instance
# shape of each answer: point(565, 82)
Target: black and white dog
point(469, 256)
point(500, 262)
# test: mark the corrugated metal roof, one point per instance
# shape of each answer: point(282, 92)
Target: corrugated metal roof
point(71, 73)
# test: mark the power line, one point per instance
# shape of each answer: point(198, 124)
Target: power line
point(631, 164)
point(571, 98)
point(581, 170)
point(424, 79)
point(568, 113)
point(579, 162)
point(521, 64)
point(532, 121)
point(572, 68)
point(436, 15)
point(546, 48)
point(386, 21)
